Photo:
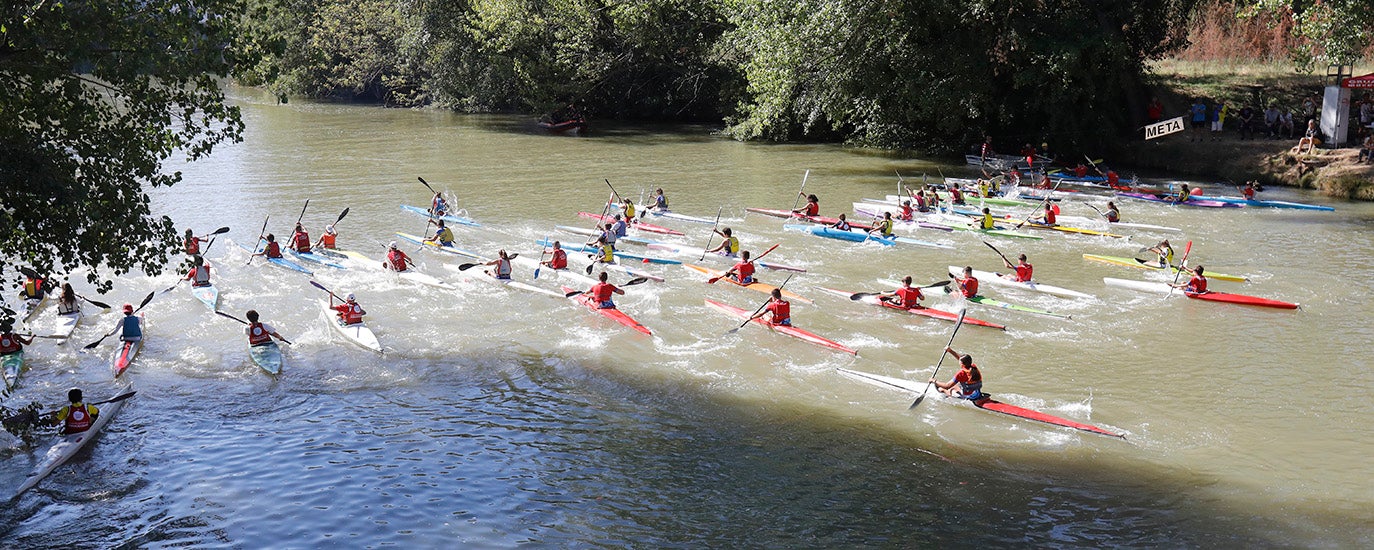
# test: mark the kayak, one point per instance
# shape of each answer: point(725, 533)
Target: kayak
point(611, 313)
point(208, 295)
point(703, 254)
point(1144, 264)
point(448, 218)
point(918, 310)
point(125, 354)
point(1270, 204)
point(788, 330)
point(267, 357)
point(986, 403)
point(66, 323)
point(29, 307)
point(666, 214)
point(876, 210)
point(280, 262)
point(971, 199)
point(859, 236)
point(409, 274)
point(755, 286)
point(992, 302)
point(13, 364)
point(635, 224)
point(1000, 162)
point(574, 247)
point(1210, 296)
point(315, 258)
point(595, 233)
point(957, 223)
point(1064, 228)
point(484, 276)
point(813, 219)
point(436, 247)
point(1129, 225)
point(570, 275)
point(1199, 203)
point(67, 446)
point(998, 279)
point(358, 333)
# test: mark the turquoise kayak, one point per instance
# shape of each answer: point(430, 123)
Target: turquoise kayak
point(1270, 204)
point(624, 255)
point(267, 357)
point(315, 258)
point(859, 236)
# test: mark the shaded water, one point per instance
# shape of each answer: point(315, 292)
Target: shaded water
point(498, 417)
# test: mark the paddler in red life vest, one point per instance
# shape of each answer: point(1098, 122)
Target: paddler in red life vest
point(1197, 284)
point(842, 224)
point(742, 272)
point(259, 334)
point(1113, 179)
point(300, 240)
point(907, 212)
point(1047, 218)
point(271, 249)
point(558, 259)
point(11, 342)
point(812, 206)
point(1024, 270)
point(967, 383)
point(349, 312)
point(968, 284)
point(729, 245)
point(76, 417)
point(1248, 191)
point(327, 238)
point(200, 274)
point(395, 259)
point(922, 205)
point(906, 297)
point(502, 263)
point(956, 195)
point(34, 288)
point(1080, 171)
point(192, 243)
point(780, 309)
point(602, 292)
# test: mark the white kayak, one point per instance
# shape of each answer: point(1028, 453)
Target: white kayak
point(546, 272)
point(29, 307)
point(358, 333)
point(66, 324)
point(1102, 222)
point(411, 275)
point(998, 279)
point(267, 357)
point(68, 445)
point(478, 274)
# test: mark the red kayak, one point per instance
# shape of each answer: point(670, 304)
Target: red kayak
point(790, 331)
point(1242, 299)
point(635, 224)
point(813, 219)
point(918, 310)
point(619, 316)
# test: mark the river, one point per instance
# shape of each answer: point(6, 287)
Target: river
point(499, 418)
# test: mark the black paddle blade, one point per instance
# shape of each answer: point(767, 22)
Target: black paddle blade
point(116, 399)
point(147, 299)
point(589, 268)
point(465, 267)
point(422, 180)
point(223, 314)
point(861, 295)
point(341, 215)
point(573, 293)
point(636, 281)
point(220, 231)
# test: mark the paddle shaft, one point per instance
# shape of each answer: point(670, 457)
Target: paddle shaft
point(279, 337)
point(711, 234)
point(756, 312)
point(261, 232)
point(801, 192)
point(1042, 207)
point(999, 253)
point(957, 324)
point(1183, 265)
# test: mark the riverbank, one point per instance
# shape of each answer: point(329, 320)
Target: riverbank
point(1332, 172)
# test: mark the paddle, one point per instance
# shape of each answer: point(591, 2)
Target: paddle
point(861, 295)
point(426, 184)
point(219, 231)
point(601, 220)
point(1181, 267)
point(631, 282)
point(331, 293)
point(223, 314)
point(541, 257)
point(261, 232)
point(465, 267)
point(713, 280)
point(957, 324)
point(756, 312)
point(801, 192)
point(711, 234)
point(1093, 163)
point(1042, 207)
point(101, 305)
point(147, 299)
point(30, 417)
point(999, 253)
point(1099, 212)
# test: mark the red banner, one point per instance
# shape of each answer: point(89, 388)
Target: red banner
point(1360, 82)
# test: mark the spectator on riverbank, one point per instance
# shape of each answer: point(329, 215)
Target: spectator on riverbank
point(1367, 151)
point(1247, 121)
point(1286, 124)
point(1218, 118)
point(1271, 121)
point(1309, 107)
point(1199, 119)
point(1311, 140)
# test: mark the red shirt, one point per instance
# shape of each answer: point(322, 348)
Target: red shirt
point(968, 287)
point(397, 259)
point(301, 240)
point(1050, 217)
point(273, 250)
point(560, 259)
point(192, 246)
point(968, 376)
point(1080, 170)
point(813, 209)
point(601, 292)
point(909, 296)
point(1024, 272)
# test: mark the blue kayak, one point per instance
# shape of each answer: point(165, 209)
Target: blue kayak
point(431, 245)
point(859, 236)
point(625, 255)
point(315, 258)
point(280, 262)
point(1270, 204)
point(449, 218)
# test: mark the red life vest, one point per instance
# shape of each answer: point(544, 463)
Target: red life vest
point(813, 209)
point(744, 270)
point(910, 296)
point(192, 246)
point(199, 275)
point(327, 240)
point(601, 292)
point(1112, 178)
point(351, 314)
point(969, 287)
point(781, 310)
point(78, 418)
point(33, 288)
point(1249, 193)
point(1197, 285)
point(273, 250)
point(257, 334)
point(560, 259)
point(906, 213)
point(1080, 170)
point(397, 259)
point(1024, 272)
point(1050, 217)
point(9, 344)
point(301, 240)
point(956, 195)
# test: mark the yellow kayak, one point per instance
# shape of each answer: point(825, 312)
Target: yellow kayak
point(756, 286)
point(1067, 229)
point(1142, 264)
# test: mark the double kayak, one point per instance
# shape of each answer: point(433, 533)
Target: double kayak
point(487, 277)
point(1145, 264)
point(267, 357)
point(755, 286)
point(986, 403)
point(358, 333)
point(784, 329)
point(1128, 225)
point(573, 247)
point(67, 446)
point(998, 279)
point(434, 246)
point(448, 218)
point(610, 313)
point(788, 214)
point(13, 365)
point(1198, 203)
point(1271, 204)
point(860, 236)
point(1210, 296)
point(665, 214)
point(635, 224)
point(959, 223)
point(279, 262)
point(872, 299)
point(877, 209)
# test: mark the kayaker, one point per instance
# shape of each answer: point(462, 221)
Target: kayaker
point(300, 240)
point(778, 308)
point(968, 284)
point(603, 291)
point(200, 273)
point(627, 207)
point(956, 196)
point(842, 224)
point(271, 249)
point(906, 297)
point(884, 226)
point(986, 223)
point(1024, 270)
point(76, 417)
point(907, 212)
point(1047, 218)
point(442, 234)
point(660, 201)
point(130, 326)
point(396, 260)
point(192, 243)
point(605, 251)
point(619, 228)
point(1248, 191)
point(921, 204)
point(1184, 194)
point(1197, 284)
point(349, 312)
point(11, 342)
point(327, 238)
point(742, 272)
point(438, 207)
point(967, 383)
point(1113, 215)
point(502, 263)
point(66, 303)
point(35, 287)
point(259, 334)
point(812, 206)
point(1165, 252)
point(558, 259)
point(729, 246)
point(983, 188)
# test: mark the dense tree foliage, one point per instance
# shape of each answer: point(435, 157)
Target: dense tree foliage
point(96, 96)
point(1332, 31)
